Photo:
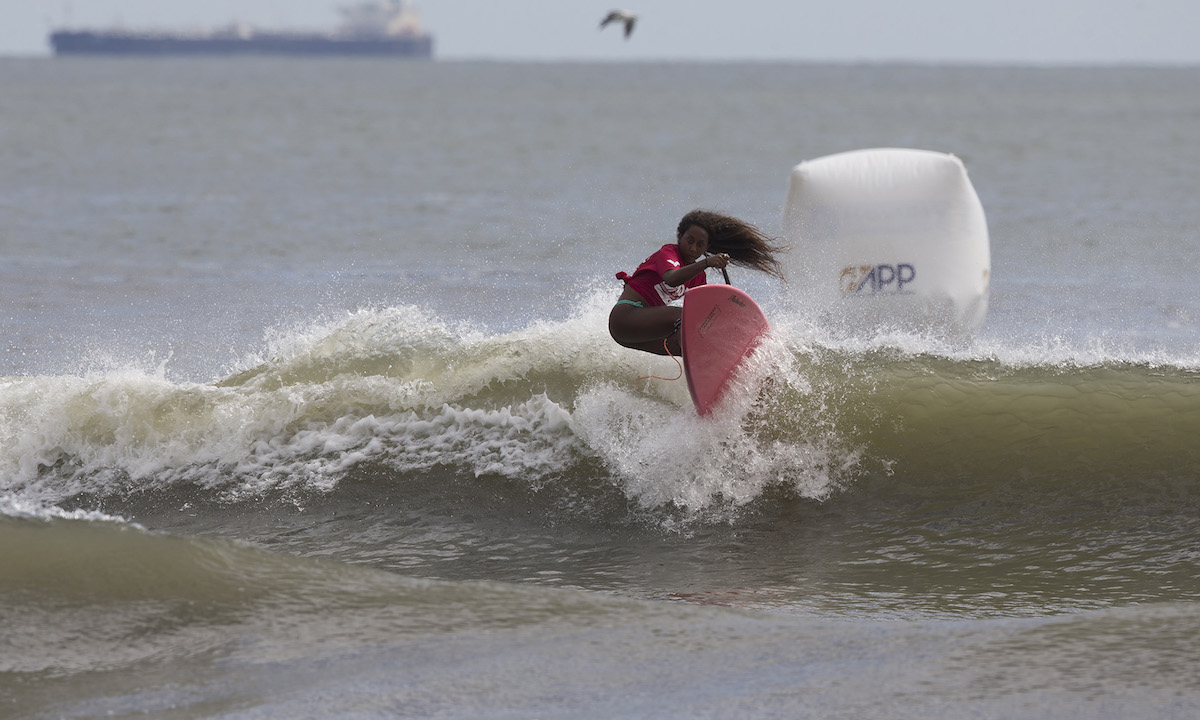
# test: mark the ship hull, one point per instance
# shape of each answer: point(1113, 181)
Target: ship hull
point(96, 43)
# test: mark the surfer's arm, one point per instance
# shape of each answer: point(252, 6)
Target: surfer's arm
point(680, 275)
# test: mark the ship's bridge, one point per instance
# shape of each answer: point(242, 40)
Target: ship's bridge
point(380, 18)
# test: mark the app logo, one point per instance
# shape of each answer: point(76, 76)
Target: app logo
point(883, 278)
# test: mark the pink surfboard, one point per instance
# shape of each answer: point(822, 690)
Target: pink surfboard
point(721, 326)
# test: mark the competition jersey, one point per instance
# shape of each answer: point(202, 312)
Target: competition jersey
point(648, 282)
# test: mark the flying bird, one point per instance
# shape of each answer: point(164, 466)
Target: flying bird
point(622, 16)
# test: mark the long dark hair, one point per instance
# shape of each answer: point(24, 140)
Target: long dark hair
point(741, 241)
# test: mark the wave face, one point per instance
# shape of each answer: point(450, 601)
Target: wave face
point(557, 404)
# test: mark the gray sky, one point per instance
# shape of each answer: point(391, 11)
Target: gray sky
point(987, 31)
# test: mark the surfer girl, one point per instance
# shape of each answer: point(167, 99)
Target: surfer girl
point(643, 318)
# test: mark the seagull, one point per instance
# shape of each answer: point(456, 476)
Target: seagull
point(623, 16)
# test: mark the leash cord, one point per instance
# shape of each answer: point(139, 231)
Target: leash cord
point(672, 356)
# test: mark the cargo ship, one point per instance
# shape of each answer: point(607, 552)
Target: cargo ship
point(378, 28)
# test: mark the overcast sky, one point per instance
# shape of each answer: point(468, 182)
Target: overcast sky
point(975, 31)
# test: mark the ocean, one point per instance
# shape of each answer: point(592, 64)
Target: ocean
point(308, 407)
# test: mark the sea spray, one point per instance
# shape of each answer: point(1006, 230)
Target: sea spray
point(667, 454)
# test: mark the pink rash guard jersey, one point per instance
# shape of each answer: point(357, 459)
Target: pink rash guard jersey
point(648, 282)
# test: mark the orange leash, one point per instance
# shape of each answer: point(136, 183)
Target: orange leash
point(672, 356)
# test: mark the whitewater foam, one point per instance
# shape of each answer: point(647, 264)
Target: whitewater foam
point(24, 509)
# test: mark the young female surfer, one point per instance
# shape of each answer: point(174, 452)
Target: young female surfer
point(642, 319)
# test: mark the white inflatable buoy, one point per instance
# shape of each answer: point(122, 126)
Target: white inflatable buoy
point(888, 238)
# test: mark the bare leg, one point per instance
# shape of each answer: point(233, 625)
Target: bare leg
point(646, 328)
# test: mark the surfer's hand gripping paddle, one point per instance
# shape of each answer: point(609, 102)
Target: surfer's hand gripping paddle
point(724, 272)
